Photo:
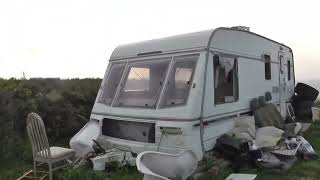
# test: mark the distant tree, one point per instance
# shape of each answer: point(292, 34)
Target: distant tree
point(64, 105)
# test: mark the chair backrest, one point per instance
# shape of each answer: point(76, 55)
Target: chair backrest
point(38, 136)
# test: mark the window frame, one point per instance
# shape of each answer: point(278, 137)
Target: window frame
point(125, 75)
point(106, 79)
point(162, 104)
point(236, 88)
point(168, 58)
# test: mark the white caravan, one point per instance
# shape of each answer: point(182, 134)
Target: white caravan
point(183, 92)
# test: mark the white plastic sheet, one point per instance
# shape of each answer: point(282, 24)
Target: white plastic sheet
point(268, 136)
point(82, 142)
point(244, 128)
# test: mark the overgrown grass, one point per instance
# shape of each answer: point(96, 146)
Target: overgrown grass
point(125, 173)
point(302, 170)
point(13, 170)
point(10, 169)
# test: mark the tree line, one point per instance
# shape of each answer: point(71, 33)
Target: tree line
point(64, 105)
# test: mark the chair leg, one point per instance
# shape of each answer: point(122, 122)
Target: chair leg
point(50, 171)
point(35, 168)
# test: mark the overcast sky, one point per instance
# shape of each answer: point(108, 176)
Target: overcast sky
point(75, 38)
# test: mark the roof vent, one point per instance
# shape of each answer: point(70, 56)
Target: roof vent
point(149, 53)
point(243, 28)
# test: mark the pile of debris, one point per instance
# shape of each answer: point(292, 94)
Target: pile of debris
point(265, 139)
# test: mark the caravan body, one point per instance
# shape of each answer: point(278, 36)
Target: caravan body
point(183, 92)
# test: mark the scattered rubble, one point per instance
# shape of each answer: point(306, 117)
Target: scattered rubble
point(266, 139)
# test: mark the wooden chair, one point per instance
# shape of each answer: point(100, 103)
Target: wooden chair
point(41, 150)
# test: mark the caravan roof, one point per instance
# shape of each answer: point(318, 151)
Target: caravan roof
point(189, 41)
point(184, 42)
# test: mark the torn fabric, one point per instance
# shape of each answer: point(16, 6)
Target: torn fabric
point(227, 64)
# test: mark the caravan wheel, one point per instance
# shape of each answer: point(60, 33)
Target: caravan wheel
point(306, 92)
point(302, 104)
point(303, 113)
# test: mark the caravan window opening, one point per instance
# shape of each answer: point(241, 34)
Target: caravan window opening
point(289, 70)
point(225, 75)
point(142, 83)
point(110, 86)
point(267, 66)
point(179, 81)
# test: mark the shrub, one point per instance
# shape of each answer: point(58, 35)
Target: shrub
point(64, 105)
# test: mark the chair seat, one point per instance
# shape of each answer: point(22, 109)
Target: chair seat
point(59, 152)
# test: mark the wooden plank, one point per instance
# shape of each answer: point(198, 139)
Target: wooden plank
point(29, 175)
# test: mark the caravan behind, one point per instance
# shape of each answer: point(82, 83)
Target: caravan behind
point(183, 92)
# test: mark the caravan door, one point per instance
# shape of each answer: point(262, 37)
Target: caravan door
point(282, 84)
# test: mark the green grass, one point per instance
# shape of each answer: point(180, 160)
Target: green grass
point(302, 170)
point(13, 171)
point(125, 173)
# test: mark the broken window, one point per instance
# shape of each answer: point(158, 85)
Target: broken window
point(267, 66)
point(129, 130)
point(179, 81)
point(111, 84)
point(142, 83)
point(225, 79)
point(289, 70)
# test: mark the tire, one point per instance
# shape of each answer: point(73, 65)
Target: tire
point(297, 98)
point(302, 104)
point(304, 119)
point(303, 113)
point(306, 92)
